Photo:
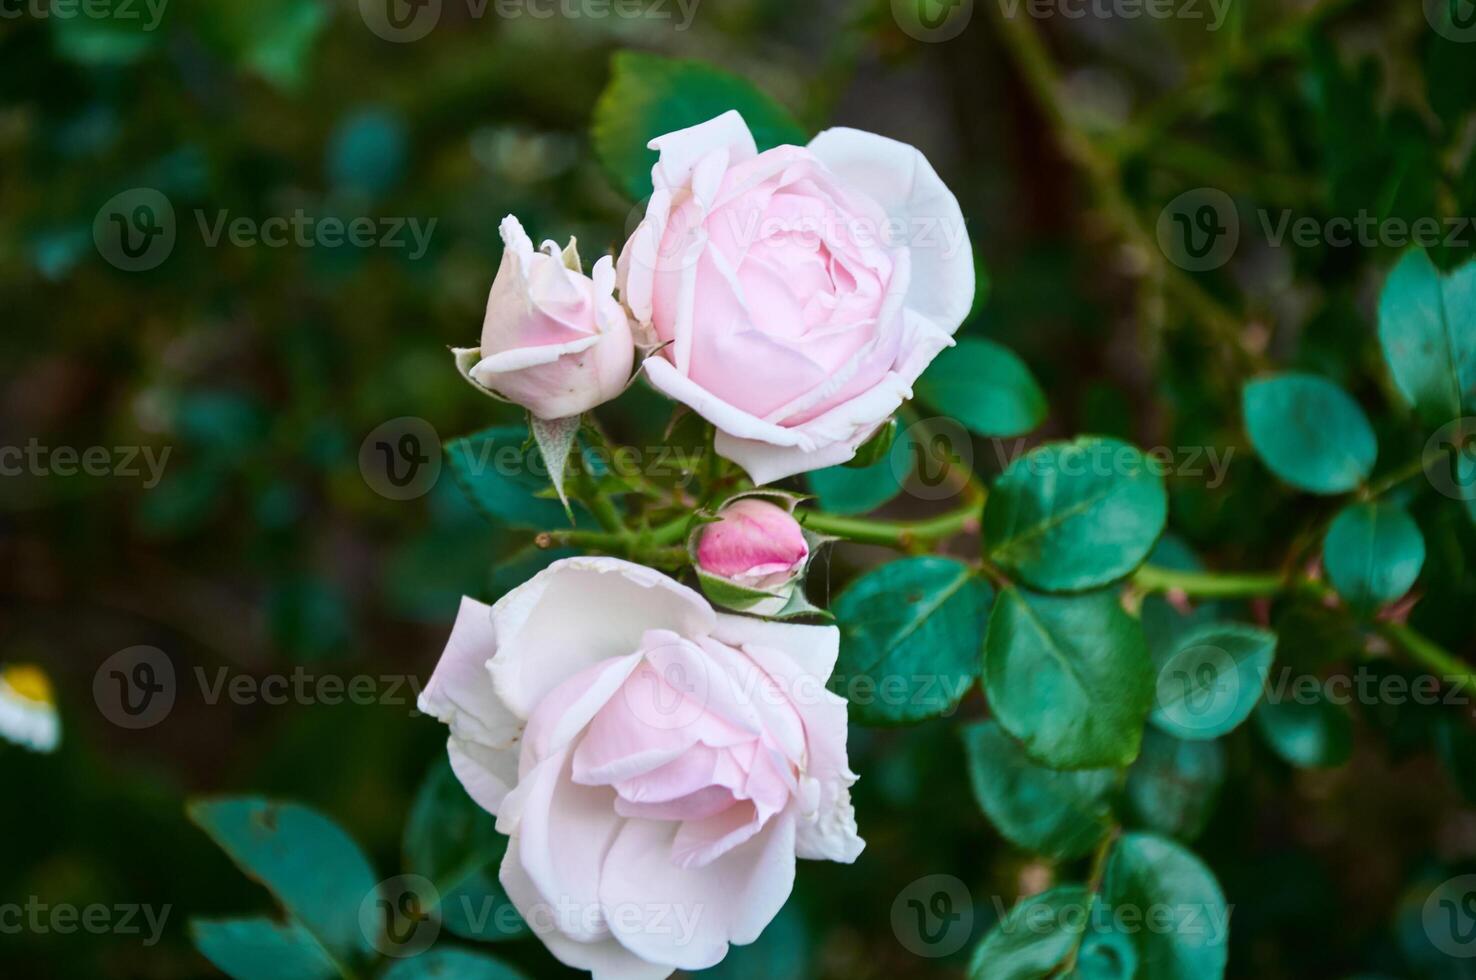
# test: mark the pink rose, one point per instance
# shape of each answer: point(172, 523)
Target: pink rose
point(801, 291)
point(753, 556)
point(657, 765)
point(554, 340)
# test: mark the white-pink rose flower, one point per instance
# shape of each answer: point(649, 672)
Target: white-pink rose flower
point(799, 292)
point(554, 340)
point(657, 765)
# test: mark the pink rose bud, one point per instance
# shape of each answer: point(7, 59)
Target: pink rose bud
point(755, 544)
point(554, 340)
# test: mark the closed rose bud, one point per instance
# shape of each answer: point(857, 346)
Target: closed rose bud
point(554, 340)
point(756, 545)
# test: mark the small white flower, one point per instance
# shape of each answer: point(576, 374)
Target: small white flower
point(28, 714)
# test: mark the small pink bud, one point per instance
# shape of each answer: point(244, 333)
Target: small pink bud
point(754, 543)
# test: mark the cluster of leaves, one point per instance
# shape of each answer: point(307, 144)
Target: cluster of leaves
point(338, 918)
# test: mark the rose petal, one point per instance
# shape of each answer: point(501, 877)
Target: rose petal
point(606, 959)
point(460, 692)
point(699, 910)
point(899, 178)
point(564, 833)
point(577, 612)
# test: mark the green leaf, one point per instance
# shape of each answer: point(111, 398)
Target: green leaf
point(1373, 553)
point(1173, 787)
point(500, 473)
point(1149, 878)
point(1427, 325)
point(1308, 734)
point(450, 964)
point(455, 844)
point(848, 489)
point(1075, 516)
point(649, 96)
point(1069, 677)
point(314, 869)
point(986, 387)
point(1059, 814)
point(910, 637)
point(1210, 678)
point(1034, 938)
point(1310, 433)
point(260, 949)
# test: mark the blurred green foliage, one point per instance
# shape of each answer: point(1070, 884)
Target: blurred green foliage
point(261, 370)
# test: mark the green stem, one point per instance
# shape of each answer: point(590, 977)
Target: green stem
point(1406, 472)
point(1209, 585)
point(903, 535)
point(1427, 651)
point(603, 509)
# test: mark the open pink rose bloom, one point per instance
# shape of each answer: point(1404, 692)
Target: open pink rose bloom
point(657, 765)
point(799, 292)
